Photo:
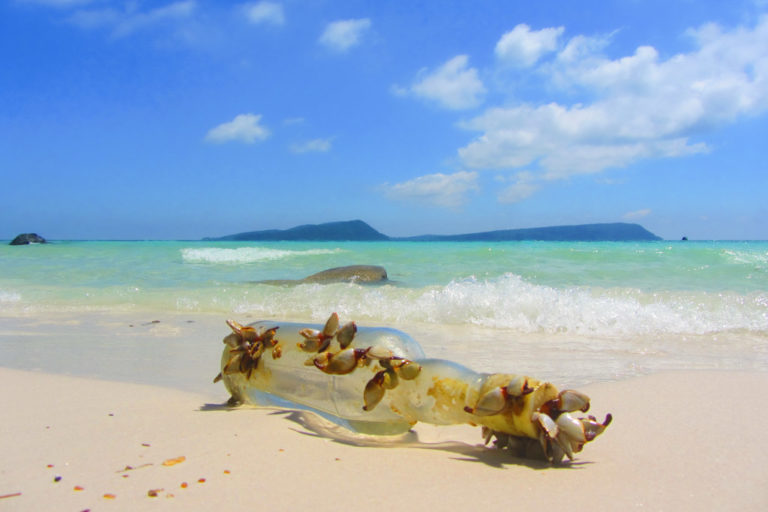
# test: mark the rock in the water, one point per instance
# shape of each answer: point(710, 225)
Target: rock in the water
point(28, 238)
point(351, 273)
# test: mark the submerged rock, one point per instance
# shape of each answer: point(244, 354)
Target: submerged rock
point(351, 273)
point(28, 238)
point(348, 274)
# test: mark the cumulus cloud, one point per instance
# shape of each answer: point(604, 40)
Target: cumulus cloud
point(125, 22)
point(264, 12)
point(342, 35)
point(581, 46)
point(314, 145)
point(644, 106)
point(454, 85)
point(243, 128)
point(569, 140)
point(448, 190)
point(522, 46)
point(523, 186)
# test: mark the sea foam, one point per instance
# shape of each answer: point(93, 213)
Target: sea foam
point(246, 254)
point(757, 260)
point(8, 297)
point(512, 303)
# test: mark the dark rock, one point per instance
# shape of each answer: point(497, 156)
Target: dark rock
point(28, 238)
point(348, 274)
point(351, 273)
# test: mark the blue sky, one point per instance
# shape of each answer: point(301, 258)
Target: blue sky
point(193, 118)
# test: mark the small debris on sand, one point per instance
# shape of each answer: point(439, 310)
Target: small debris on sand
point(174, 461)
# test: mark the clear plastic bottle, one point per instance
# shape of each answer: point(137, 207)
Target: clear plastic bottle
point(377, 380)
point(288, 381)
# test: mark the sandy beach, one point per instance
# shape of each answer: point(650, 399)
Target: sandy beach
point(241, 238)
point(679, 441)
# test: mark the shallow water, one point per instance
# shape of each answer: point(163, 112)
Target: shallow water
point(574, 311)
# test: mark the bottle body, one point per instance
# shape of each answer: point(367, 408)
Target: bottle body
point(378, 381)
point(294, 381)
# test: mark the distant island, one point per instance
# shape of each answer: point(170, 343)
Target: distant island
point(359, 231)
point(353, 230)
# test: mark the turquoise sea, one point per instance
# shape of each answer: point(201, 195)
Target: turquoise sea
point(616, 308)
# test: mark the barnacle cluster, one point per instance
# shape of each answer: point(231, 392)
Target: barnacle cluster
point(379, 380)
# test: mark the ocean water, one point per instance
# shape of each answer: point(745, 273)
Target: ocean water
point(600, 310)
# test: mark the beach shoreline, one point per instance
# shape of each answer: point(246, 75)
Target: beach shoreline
point(680, 440)
point(182, 350)
point(94, 403)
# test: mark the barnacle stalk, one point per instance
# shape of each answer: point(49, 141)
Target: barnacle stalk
point(378, 381)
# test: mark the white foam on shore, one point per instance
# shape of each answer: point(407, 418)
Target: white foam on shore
point(512, 303)
point(508, 302)
point(9, 297)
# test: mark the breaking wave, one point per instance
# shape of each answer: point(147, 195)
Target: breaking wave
point(246, 254)
point(510, 302)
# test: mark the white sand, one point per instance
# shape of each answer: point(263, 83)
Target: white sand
point(679, 441)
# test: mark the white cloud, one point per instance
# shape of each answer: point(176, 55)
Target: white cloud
point(517, 192)
point(639, 214)
point(453, 85)
point(314, 145)
point(523, 187)
point(568, 140)
point(644, 106)
point(439, 189)
point(581, 46)
point(264, 12)
point(522, 46)
point(344, 34)
point(243, 128)
point(125, 22)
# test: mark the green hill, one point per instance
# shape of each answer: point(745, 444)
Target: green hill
point(357, 230)
point(354, 230)
point(615, 232)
